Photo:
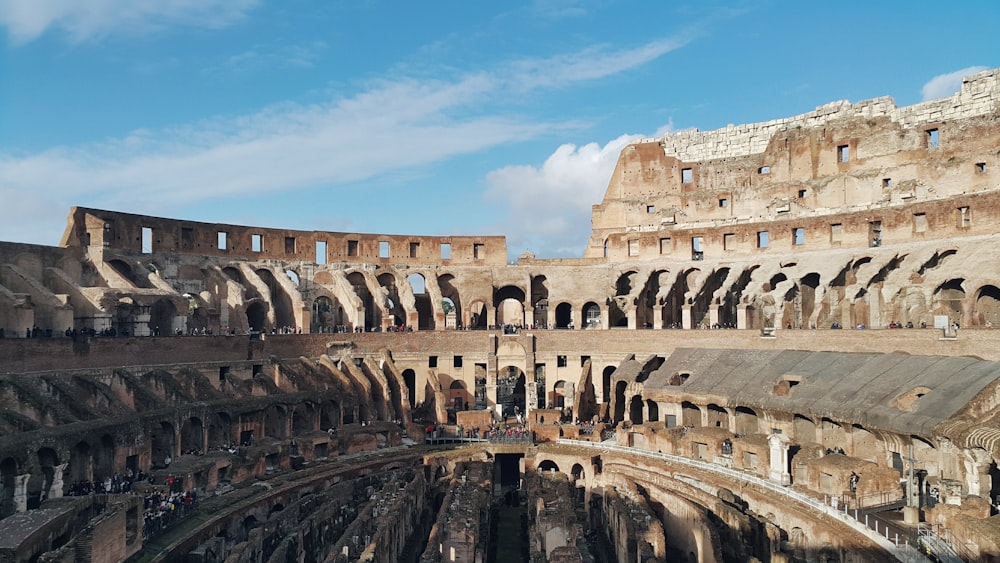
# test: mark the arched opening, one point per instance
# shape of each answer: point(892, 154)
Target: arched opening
point(540, 301)
point(410, 379)
point(548, 466)
point(804, 429)
point(706, 297)
point(192, 431)
point(511, 389)
point(294, 276)
point(509, 301)
point(635, 410)
point(478, 315)
point(644, 311)
point(327, 315)
point(104, 458)
point(988, 306)
point(652, 411)
point(616, 307)
point(422, 301)
point(718, 417)
point(249, 523)
point(47, 461)
point(257, 316)
point(80, 463)
point(690, 414)
point(303, 417)
point(123, 269)
point(373, 317)
point(606, 383)
point(592, 315)
point(807, 296)
point(449, 294)
point(620, 401)
point(559, 395)
point(674, 301)
point(275, 422)
point(329, 415)
point(387, 282)
point(161, 317)
point(564, 315)
point(162, 443)
point(577, 472)
point(948, 298)
point(280, 300)
point(219, 433)
point(8, 476)
point(458, 396)
point(746, 421)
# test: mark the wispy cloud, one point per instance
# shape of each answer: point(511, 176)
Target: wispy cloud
point(944, 85)
point(291, 146)
point(267, 57)
point(84, 20)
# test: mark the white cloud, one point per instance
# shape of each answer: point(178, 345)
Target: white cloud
point(944, 85)
point(548, 207)
point(84, 20)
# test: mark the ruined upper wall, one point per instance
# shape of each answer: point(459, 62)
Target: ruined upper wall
point(979, 96)
point(148, 235)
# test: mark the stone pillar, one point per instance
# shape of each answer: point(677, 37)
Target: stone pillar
point(713, 314)
point(21, 492)
point(657, 317)
point(56, 489)
point(529, 316)
point(741, 316)
point(387, 320)
point(141, 326)
point(630, 315)
point(779, 459)
point(606, 318)
point(977, 472)
point(551, 317)
point(491, 316)
point(686, 317)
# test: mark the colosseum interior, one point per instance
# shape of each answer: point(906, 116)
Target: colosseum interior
point(776, 347)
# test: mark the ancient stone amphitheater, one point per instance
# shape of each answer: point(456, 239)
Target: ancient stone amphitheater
point(778, 346)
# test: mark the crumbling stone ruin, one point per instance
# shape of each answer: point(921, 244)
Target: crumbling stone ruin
point(778, 346)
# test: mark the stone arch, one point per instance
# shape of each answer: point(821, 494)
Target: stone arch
point(48, 460)
point(104, 457)
point(446, 284)
point(329, 415)
point(591, 315)
point(675, 299)
point(161, 317)
point(619, 401)
point(808, 286)
point(80, 463)
point(635, 405)
point(718, 417)
point(192, 433)
point(559, 394)
point(509, 302)
point(511, 389)
point(478, 314)
point(422, 301)
point(618, 307)
point(8, 482)
point(162, 442)
point(303, 419)
point(387, 281)
point(564, 315)
point(804, 429)
point(606, 376)
point(410, 379)
point(578, 472)
point(547, 466)
point(949, 297)
point(746, 421)
point(987, 309)
point(703, 300)
point(123, 269)
point(281, 301)
point(652, 411)
point(257, 316)
point(458, 395)
point(690, 414)
point(327, 315)
point(373, 314)
point(275, 422)
point(219, 430)
point(644, 311)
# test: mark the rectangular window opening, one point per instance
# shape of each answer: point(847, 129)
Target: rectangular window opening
point(697, 248)
point(633, 247)
point(457, 362)
point(383, 249)
point(836, 232)
point(803, 193)
point(764, 170)
point(321, 252)
point(687, 175)
point(414, 250)
point(763, 239)
point(981, 167)
point(222, 240)
point(729, 241)
point(432, 361)
point(650, 209)
point(843, 153)
point(289, 245)
point(886, 182)
point(446, 251)
point(584, 360)
point(723, 202)
point(798, 236)
point(147, 240)
point(352, 248)
point(187, 238)
point(933, 139)
point(478, 251)
point(256, 243)
point(561, 361)
point(964, 217)
point(665, 245)
point(919, 222)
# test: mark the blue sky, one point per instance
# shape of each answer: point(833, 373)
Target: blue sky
point(420, 117)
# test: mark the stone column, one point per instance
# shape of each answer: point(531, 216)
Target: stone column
point(779, 459)
point(491, 316)
point(686, 317)
point(657, 317)
point(741, 316)
point(21, 492)
point(56, 489)
point(630, 315)
point(713, 314)
point(551, 317)
point(529, 316)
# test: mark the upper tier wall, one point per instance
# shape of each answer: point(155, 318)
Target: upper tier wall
point(979, 96)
